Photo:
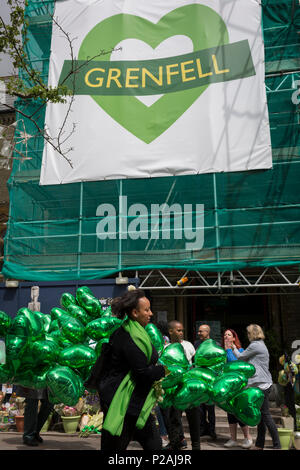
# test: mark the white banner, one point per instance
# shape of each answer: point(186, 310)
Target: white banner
point(161, 88)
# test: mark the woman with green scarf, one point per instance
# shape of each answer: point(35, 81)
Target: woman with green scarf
point(126, 386)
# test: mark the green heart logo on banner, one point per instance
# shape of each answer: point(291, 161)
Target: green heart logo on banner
point(198, 22)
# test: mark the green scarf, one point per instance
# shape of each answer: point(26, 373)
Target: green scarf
point(114, 419)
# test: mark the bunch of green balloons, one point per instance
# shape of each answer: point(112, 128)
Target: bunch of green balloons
point(56, 351)
point(210, 380)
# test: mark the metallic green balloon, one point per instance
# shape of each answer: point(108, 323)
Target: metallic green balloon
point(77, 356)
point(155, 337)
point(15, 346)
point(35, 322)
point(5, 323)
point(89, 302)
point(67, 299)
point(174, 378)
point(247, 404)
point(44, 352)
point(99, 345)
point(79, 313)
point(57, 313)
point(65, 385)
point(192, 393)
point(245, 368)
point(102, 327)
point(201, 373)
point(173, 355)
point(227, 386)
point(72, 329)
point(209, 354)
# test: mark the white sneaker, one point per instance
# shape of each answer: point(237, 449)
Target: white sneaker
point(247, 443)
point(231, 443)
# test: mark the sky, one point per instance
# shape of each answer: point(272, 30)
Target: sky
point(5, 65)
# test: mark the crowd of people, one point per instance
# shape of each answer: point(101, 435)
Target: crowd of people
point(128, 368)
point(131, 368)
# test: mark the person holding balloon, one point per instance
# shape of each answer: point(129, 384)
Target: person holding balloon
point(127, 388)
point(230, 337)
point(258, 355)
point(173, 416)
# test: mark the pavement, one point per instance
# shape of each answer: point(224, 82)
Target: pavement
point(56, 441)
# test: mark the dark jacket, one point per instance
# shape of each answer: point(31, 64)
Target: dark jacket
point(125, 356)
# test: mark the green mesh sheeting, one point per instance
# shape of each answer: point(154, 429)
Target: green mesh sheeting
point(250, 218)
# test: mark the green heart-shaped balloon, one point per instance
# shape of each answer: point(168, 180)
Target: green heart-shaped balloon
point(67, 299)
point(102, 327)
point(247, 404)
point(89, 302)
point(72, 329)
point(173, 355)
point(44, 352)
point(35, 322)
point(77, 356)
point(64, 385)
point(57, 313)
point(205, 375)
point(155, 337)
point(79, 313)
point(245, 368)
point(200, 23)
point(227, 386)
point(209, 354)
point(191, 394)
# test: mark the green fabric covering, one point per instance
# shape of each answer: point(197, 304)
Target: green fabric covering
point(251, 218)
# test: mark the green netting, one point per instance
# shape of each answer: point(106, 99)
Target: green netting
point(250, 218)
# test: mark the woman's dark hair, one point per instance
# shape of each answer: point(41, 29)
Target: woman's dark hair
point(129, 301)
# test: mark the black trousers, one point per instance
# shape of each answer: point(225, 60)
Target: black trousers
point(34, 420)
point(207, 426)
point(173, 421)
point(267, 422)
point(148, 437)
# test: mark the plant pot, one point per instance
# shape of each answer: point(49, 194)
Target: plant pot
point(19, 420)
point(70, 423)
point(47, 424)
point(285, 437)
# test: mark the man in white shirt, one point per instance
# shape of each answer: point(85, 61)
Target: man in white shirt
point(172, 416)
